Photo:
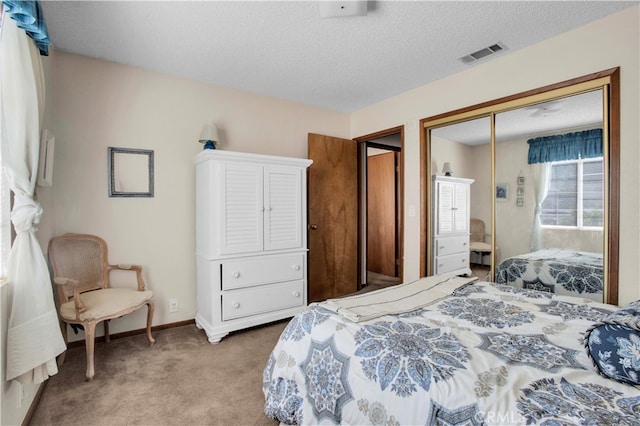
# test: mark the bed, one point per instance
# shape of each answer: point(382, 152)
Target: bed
point(559, 271)
point(445, 350)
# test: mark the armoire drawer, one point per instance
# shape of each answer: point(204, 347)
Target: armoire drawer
point(257, 300)
point(449, 245)
point(267, 269)
point(444, 264)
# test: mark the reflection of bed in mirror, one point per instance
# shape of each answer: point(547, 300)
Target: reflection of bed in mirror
point(557, 148)
point(559, 271)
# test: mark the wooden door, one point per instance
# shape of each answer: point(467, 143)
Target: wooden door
point(333, 217)
point(381, 214)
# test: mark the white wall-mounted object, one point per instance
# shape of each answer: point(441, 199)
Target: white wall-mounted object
point(251, 240)
point(45, 162)
point(451, 225)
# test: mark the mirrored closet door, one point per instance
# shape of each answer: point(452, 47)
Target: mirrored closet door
point(549, 209)
point(544, 202)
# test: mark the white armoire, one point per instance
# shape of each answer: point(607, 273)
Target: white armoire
point(450, 225)
point(251, 240)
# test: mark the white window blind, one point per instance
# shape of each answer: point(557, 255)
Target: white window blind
point(576, 194)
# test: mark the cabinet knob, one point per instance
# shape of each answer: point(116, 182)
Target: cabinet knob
point(296, 267)
point(236, 305)
point(268, 209)
point(296, 294)
point(261, 209)
point(313, 226)
point(235, 274)
point(441, 247)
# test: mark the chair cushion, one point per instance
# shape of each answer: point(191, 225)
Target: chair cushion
point(613, 345)
point(106, 303)
point(480, 246)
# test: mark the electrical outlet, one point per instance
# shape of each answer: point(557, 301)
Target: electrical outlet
point(173, 305)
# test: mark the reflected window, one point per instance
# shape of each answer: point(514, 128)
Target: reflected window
point(576, 194)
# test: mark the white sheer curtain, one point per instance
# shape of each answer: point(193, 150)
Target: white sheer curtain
point(541, 174)
point(34, 338)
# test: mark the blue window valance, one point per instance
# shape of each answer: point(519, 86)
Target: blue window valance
point(570, 146)
point(28, 16)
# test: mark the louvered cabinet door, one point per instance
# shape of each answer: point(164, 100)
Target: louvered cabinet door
point(461, 210)
point(241, 208)
point(283, 208)
point(445, 208)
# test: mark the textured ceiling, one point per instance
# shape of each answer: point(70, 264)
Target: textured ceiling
point(565, 114)
point(285, 50)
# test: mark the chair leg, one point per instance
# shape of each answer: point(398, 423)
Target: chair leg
point(63, 329)
point(149, 320)
point(89, 339)
point(107, 337)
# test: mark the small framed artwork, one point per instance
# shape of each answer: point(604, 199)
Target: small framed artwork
point(502, 191)
point(130, 172)
point(520, 202)
point(520, 191)
point(520, 180)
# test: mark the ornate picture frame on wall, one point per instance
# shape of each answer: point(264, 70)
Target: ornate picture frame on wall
point(130, 172)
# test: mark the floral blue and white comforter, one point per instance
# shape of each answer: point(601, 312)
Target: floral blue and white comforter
point(488, 354)
point(560, 271)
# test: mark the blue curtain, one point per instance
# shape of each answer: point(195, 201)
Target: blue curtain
point(571, 146)
point(28, 16)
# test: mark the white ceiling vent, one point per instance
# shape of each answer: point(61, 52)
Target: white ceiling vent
point(483, 53)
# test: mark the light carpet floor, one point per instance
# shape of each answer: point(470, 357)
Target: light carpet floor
point(181, 380)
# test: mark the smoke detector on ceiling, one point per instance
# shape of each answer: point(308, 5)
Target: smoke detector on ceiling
point(483, 53)
point(336, 9)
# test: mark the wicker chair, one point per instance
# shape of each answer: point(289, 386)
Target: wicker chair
point(81, 273)
point(477, 240)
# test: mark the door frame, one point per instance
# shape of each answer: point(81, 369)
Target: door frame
point(363, 142)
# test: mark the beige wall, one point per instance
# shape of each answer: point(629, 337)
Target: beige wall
point(610, 42)
point(99, 104)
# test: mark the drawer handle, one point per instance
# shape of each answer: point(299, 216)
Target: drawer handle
point(441, 265)
point(235, 274)
point(236, 305)
point(441, 247)
point(296, 267)
point(464, 244)
point(464, 260)
point(296, 294)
